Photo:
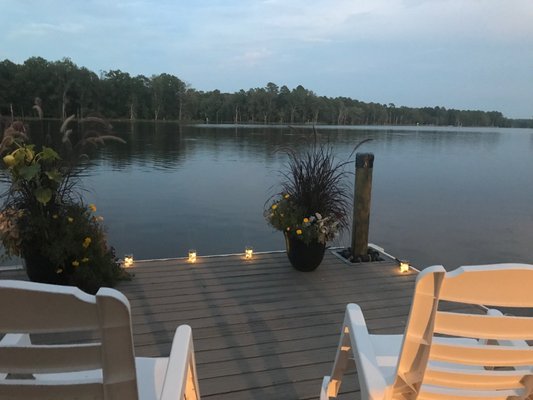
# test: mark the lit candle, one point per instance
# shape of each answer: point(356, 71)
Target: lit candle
point(404, 266)
point(192, 255)
point(248, 253)
point(128, 260)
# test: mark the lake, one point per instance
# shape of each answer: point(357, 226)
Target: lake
point(451, 196)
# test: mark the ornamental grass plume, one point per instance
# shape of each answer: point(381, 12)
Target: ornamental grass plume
point(317, 184)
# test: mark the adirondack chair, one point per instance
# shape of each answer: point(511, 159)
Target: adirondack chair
point(446, 355)
point(105, 368)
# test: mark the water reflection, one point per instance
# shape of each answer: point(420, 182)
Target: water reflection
point(439, 195)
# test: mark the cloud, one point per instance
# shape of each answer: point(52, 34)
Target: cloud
point(394, 20)
point(40, 29)
point(252, 58)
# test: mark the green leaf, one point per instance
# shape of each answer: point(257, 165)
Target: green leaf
point(43, 195)
point(54, 175)
point(20, 155)
point(49, 154)
point(29, 172)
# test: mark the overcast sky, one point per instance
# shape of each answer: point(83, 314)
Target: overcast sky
point(467, 54)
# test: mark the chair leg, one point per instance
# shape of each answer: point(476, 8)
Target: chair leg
point(324, 389)
point(181, 379)
point(341, 365)
point(192, 391)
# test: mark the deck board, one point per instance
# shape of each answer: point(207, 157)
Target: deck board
point(261, 329)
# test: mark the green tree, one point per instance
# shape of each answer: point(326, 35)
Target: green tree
point(8, 92)
point(140, 99)
point(116, 88)
point(168, 96)
point(64, 89)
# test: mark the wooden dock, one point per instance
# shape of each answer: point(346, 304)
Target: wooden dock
point(261, 329)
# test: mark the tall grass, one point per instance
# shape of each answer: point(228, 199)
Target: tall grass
point(318, 183)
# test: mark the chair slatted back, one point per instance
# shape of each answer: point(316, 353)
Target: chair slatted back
point(33, 308)
point(459, 355)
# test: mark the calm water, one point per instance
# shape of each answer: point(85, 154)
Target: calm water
point(440, 195)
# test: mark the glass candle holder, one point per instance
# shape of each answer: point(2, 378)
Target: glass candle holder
point(248, 252)
point(192, 255)
point(128, 260)
point(404, 266)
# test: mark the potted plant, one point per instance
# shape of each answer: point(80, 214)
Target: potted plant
point(44, 219)
point(312, 207)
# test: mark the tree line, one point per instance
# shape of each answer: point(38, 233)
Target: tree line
point(56, 89)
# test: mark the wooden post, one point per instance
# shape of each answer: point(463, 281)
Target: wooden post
point(364, 164)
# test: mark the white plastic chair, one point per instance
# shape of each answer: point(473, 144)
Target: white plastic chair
point(446, 355)
point(106, 369)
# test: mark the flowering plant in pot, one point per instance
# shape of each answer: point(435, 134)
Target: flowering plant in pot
point(43, 218)
point(312, 208)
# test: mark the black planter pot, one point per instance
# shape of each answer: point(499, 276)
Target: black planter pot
point(40, 269)
point(304, 257)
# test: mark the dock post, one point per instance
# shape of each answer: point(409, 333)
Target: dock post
point(364, 164)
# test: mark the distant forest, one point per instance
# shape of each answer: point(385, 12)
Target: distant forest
point(61, 88)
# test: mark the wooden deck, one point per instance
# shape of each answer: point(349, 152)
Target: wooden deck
point(261, 329)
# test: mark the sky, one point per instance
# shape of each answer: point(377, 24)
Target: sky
point(463, 54)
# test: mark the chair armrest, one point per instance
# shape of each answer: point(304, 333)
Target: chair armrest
point(372, 381)
point(15, 339)
point(180, 377)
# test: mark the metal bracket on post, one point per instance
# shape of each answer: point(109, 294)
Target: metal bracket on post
point(364, 164)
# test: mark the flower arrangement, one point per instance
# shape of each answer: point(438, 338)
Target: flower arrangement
point(44, 219)
point(69, 245)
point(314, 202)
point(284, 215)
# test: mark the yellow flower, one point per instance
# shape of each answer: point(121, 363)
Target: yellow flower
point(274, 206)
point(54, 216)
point(70, 219)
point(298, 231)
point(9, 161)
point(86, 242)
point(92, 207)
point(306, 220)
point(84, 260)
point(75, 263)
point(286, 196)
point(29, 154)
